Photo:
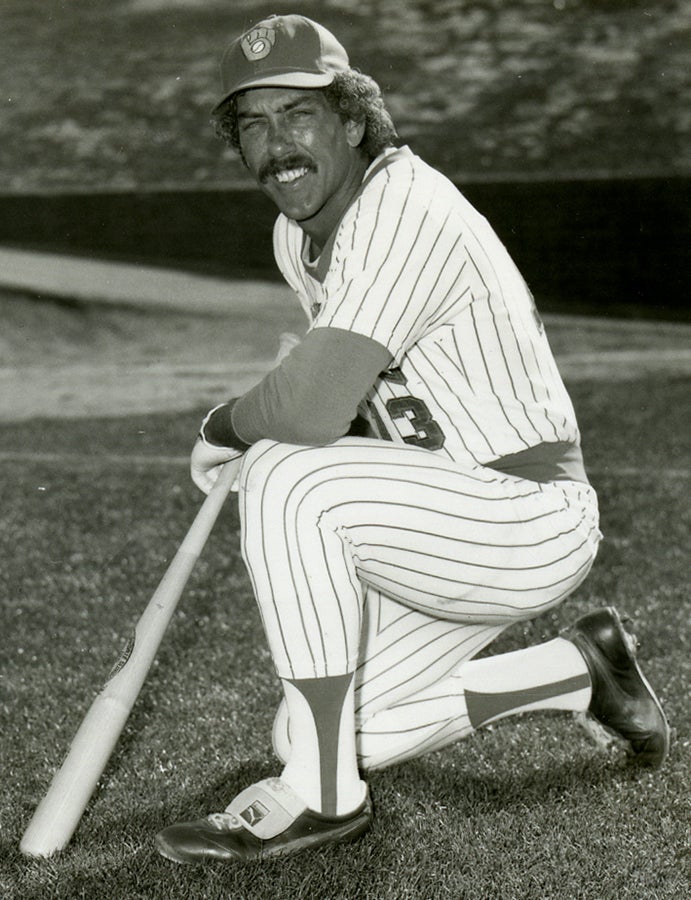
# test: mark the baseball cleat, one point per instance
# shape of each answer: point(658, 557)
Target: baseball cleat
point(622, 700)
point(267, 819)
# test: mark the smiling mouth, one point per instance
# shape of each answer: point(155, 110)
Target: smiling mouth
point(290, 176)
point(286, 171)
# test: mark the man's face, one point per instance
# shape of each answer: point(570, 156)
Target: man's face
point(301, 153)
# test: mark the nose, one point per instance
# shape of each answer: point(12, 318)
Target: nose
point(279, 138)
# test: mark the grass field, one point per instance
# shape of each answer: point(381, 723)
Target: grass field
point(92, 511)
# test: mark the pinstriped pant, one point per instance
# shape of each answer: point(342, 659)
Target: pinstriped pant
point(397, 563)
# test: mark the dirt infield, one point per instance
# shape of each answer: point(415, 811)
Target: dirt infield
point(83, 338)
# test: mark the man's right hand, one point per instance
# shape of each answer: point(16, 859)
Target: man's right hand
point(206, 462)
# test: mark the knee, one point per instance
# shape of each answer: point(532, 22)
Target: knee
point(278, 468)
point(258, 462)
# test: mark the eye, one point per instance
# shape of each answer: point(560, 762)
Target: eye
point(302, 112)
point(249, 125)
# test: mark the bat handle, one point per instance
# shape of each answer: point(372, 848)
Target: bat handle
point(208, 512)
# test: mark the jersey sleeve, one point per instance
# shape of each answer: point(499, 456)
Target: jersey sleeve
point(311, 398)
point(397, 265)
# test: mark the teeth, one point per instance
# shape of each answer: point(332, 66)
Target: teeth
point(290, 175)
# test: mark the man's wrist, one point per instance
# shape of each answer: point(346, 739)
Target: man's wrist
point(217, 428)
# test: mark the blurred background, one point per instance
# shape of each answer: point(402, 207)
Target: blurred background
point(567, 122)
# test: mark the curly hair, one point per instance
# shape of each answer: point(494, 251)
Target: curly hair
point(353, 96)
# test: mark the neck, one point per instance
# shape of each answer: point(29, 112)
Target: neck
point(320, 226)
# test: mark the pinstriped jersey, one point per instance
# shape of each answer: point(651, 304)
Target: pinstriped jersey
point(413, 266)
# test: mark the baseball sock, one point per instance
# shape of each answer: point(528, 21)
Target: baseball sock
point(552, 675)
point(322, 767)
point(548, 676)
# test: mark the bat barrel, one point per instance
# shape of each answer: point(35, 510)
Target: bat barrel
point(58, 814)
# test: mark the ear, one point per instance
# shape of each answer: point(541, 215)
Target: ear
point(355, 131)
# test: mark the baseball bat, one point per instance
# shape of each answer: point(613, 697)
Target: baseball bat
point(58, 814)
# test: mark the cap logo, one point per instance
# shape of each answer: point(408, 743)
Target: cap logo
point(258, 43)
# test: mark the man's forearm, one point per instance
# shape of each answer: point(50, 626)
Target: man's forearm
point(310, 398)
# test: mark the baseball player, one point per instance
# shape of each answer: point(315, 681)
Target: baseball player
point(410, 475)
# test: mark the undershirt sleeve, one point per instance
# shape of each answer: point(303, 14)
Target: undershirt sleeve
point(311, 398)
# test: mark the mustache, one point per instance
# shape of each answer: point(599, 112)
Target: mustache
point(276, 166)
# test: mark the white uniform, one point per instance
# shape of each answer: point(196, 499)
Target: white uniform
point(400, 558)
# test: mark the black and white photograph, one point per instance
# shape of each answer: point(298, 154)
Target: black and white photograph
point(345, 352)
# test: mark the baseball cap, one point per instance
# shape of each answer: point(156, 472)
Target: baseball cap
point(282, 51)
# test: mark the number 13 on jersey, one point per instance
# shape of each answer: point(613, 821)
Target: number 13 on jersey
point(410, 418)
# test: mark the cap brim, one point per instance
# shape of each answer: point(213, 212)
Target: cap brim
point(280, 79)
